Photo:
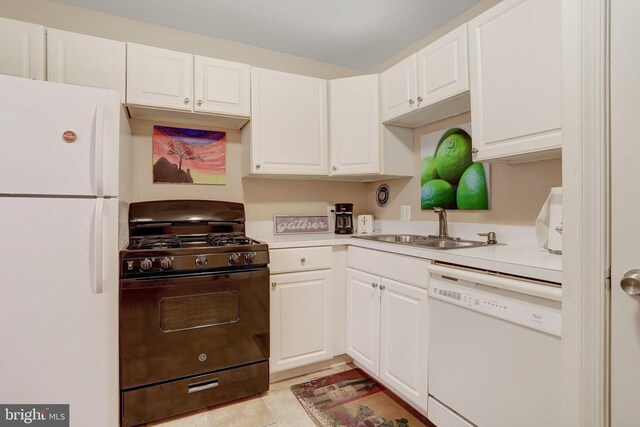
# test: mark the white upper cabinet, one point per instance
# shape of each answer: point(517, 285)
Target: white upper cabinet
point(159, 77)
point(515, 62)
point(354, 125)
point(22, 49)
point(360, 148)
point(86, 60)
point(399, 89)
point(288, 130)
point(430, 85)
point(175, 86)
point(222, 87)
point(443, 68)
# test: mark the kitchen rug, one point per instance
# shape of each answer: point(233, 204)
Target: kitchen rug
point(353, 399)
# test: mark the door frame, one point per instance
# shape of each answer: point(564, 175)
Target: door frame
point(585, 176)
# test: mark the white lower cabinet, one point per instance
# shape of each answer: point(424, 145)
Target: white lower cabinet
point(387, 325)
point(301, 323)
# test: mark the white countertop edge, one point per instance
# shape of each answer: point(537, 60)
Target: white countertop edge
point(518, 260)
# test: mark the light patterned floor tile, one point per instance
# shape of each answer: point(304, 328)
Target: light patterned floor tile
point(276, 408)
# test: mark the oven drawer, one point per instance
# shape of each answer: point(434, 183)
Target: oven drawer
point(165, 400)
point(299, 259)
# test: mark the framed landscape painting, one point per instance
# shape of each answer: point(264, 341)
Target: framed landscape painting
point(189, 156)
point(449, 178)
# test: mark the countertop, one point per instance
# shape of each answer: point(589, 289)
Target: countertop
point(520, 260)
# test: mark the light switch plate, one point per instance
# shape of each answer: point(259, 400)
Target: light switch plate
point(405, 213)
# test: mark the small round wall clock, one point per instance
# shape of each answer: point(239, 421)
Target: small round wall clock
point(383, 195)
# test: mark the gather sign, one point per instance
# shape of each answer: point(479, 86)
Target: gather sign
point(300, 224)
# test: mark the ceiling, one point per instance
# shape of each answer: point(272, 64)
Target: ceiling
point(357, 34)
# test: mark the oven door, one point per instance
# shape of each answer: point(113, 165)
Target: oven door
point(174, 327)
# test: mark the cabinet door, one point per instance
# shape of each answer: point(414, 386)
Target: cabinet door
point(288, 124)
point(403, 340)
point(222, 87)
point(300, 323)
point(363, 319)
point(355, 125)
point(86, 61)
point(515, 80)
point(159, 77)
point(443, 68)
point(22, 49)
point(398, 87)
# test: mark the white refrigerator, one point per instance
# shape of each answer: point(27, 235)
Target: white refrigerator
point(64, 165)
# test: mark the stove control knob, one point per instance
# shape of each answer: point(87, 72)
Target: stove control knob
point(249, 257)
point(201, 260)
point(166, 263)
point(146, 264)
point(234, 258)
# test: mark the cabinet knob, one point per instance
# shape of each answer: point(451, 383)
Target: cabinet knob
point(419, 99)
point(303, 260)
point(474, 151)
point(411, 102)
point(273, 285)
point(186, 101)
point(374, 285)
point(257, 165)
point(382, 287)
point(334, 167)
point(199, 102)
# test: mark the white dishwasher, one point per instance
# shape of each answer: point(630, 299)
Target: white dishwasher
point(494, 350)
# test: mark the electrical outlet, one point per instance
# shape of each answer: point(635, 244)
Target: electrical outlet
point(405, 213)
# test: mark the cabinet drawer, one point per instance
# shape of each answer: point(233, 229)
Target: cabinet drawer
point(299, 259)
point(402, 268)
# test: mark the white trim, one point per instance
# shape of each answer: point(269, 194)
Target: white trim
point(586, 212)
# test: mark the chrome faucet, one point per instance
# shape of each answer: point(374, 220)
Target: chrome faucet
point(443, 231)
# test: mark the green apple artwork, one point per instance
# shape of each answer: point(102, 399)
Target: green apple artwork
point(449, 178)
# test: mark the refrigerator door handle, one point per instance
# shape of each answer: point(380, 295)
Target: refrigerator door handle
point(99, 149)
point(97, 251)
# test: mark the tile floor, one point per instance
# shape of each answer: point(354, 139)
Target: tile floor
point(276, 408)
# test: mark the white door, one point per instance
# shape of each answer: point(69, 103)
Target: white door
point(300, 323)
point(59, 322)
point(159, 77)
point(58, 139)
point(443, 68)
point(403, 340)
point(398, 89)
point(289, 126)
point(363, 319)
point(22, 49)
point(222, 87)
point(354, 125)
point(86, 61)
point(625, 205)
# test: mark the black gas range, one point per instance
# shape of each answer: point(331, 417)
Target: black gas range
point(194, 309)
point(183, 236)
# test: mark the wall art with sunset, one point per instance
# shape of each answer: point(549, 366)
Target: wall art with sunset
point(189, 156)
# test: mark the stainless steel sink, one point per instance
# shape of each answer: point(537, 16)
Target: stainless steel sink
point(430, 242)
point(394, 238)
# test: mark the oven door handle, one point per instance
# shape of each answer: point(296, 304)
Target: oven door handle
point(97, 281)
point(204, 385)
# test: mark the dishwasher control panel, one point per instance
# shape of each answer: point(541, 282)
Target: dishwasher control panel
point(536, 313)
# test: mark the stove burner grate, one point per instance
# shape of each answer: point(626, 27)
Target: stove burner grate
point(157, 242)
point(227, 240)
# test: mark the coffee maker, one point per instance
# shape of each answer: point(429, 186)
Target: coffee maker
point(344, 218)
